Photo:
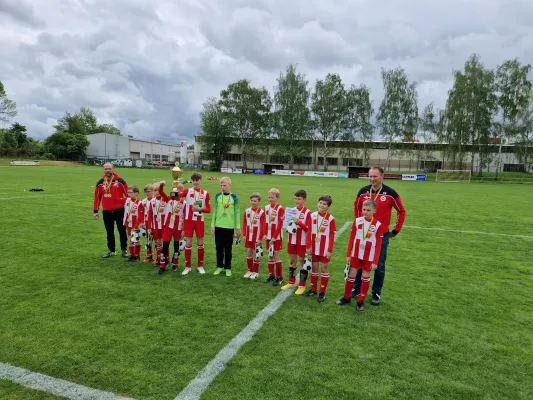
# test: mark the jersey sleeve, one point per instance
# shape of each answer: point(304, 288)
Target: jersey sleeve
point(263, 223)
point(163, 195)
point(124, 191)
point(400, 211)
point(303, 224)
point(244, 225)
point(281, 218)
point(97, 197)
point(237, 211)
point(308, 236)
point(332, 231)
point(352, 239)
point(215, 210)
point(379, 239)
point(150, 215)
point(207, 208)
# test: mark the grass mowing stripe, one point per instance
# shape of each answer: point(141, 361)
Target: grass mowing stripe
point(42, 195)
point(56, 386)
point(472, 232)
point(204, 378)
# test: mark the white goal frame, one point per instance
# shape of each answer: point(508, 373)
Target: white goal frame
point(466, 173)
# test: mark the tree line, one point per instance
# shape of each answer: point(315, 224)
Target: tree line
point(68, 142)
point(484, 108)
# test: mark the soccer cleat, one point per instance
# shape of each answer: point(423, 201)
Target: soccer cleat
point(148, 259)
point(355, 293)
point(228, 272)
point(109, 255)
point(248, 275)
point(360, 306)
point(300, 290)
point(186, 271)
point(137, 259)
point(130, 259)
point(376, 299)
point(277, 282)
point(174, 268)
point(342, 301)
point(201, 270)
point(254, 275)
point(160, 271)
point(218, 271)
point(288, 286)
point(270, 279)
point(321, 297)
point(125, 254)
point(310, 293)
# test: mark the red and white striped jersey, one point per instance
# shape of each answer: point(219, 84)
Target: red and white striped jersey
point(133, 213)
point(145, 203)
point(174, 214)
point(193, 197)
point(254, 225)
point(365, 240)
point(321, 234)
point(300, 237)
point(157, 213)
point(274, 215)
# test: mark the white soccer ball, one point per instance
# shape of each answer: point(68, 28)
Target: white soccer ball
point(182, 244)
point(134, 237)
point(142, 232)
point(271, 249)
point(346, 271)
point(258, 252)
point(292, 227)
point(308, 265)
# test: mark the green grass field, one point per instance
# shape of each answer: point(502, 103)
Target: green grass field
point(455, 320)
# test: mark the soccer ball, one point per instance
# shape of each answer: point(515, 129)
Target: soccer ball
point(182, 244)
point(134, 236)
point(258, 252)
point(237, 241)
point(292, 227)
point(346, 271)
point(142, 232)
point(271, 249)
point(308, 265)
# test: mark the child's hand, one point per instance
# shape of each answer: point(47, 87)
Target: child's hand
point(264, 237)
point(196, 208)
point(308, 251)
point(162, 183)
point(374, 267)
point(328, 255)
point(96, 216)
point(212, 231)
point(238, 233)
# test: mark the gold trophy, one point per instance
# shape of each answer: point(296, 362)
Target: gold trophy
point(176, 173)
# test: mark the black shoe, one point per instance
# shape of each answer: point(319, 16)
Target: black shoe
point(355, 293)
point(360, 306)
point(109, 255)
point(376, 299)
point(137, 259)
point(321, 297)
point(310, 293)
point(270, 279)
point(277, 282)
point(160, 271)
point(156, 264)
point(125, 254)
point(130, 259)
point(343, 300)
point(174, 268)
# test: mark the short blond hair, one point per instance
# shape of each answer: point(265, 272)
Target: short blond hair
point(178, 185)
point(148, 187)
point(370, 203)
point(275, 192)
point(155, 186)
point(225, 179)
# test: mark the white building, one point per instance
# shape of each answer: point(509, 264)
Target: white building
point(111, 147)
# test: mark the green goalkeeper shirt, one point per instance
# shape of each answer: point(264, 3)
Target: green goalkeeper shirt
point(226, 213)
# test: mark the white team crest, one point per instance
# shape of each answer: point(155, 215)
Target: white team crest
point(383, 198)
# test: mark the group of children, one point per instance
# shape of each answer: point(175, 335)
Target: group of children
point(179, 215)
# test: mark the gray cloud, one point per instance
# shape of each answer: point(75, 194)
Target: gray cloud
point(147, 67)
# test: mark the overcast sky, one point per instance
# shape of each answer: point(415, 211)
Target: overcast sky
point(147, 66)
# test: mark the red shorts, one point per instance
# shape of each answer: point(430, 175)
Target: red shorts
point(360, 264)
point(169, 233)
point(193, 226)
point(296, 249)
point(320, 259)
point(249, 244)
point(157, 234)
point(278, 245)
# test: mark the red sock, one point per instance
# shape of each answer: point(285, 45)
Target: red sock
point(131, 249)
point(249, 262)
point(200, 256)
point(175, 260)
point(314, 281)
point(149, 253)
point(271, 268)
point(365, 284)
point(348, 286)
point(256, 267)
point(324, 279)
point(158, 250)
point(188, 253)
point(292, 275)
point(279, 269)
point(137, 250)
point(163, 260)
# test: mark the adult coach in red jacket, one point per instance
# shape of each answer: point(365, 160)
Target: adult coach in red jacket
point(386, 199)
point(111, 190)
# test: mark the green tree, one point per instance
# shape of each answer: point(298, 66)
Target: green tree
point(67, 146)
point(83, 122)
point(397, 117)
point(329, 110)
point(246, 109)
point(108, 128)
point(8, 108)
point(20, 133)
point(428, 130)
point(291, 119)
point(215, 140)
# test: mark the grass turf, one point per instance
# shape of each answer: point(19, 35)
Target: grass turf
point(455, 320)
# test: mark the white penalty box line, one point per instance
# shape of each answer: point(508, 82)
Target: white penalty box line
point(468, 232)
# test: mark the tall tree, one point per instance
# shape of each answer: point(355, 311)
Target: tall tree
point(397, 117)
point(329, 110)
point(291, 119)
point(428, 129)
point(67, 146)
point(215, 140)
point(108, 128)
point(8, 108)
point(83, 122)
point(514, 89)
point(247, 111)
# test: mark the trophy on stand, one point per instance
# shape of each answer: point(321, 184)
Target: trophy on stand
point(176, 173)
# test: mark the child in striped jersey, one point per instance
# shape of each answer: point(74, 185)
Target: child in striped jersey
point(145, 203)
point(253, 226)
point(274, 215)
point(363, 252)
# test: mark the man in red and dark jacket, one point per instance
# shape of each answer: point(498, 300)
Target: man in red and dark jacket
point(386, 199)
point(111, 190)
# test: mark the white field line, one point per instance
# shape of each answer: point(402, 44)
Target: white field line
point(471, 232)
point(40, 196)
point(199, 384)
point(56, 386)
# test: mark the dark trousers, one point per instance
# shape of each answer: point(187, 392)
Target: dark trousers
point(224, 243)
point(379, 273)
point(110, 217)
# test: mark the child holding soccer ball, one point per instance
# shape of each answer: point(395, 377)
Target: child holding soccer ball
point(253, 226)
point(133, 216)
point(274, 215)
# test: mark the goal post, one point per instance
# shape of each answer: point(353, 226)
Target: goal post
point(453, 175)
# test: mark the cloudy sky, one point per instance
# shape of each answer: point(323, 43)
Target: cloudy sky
point(147, 66)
